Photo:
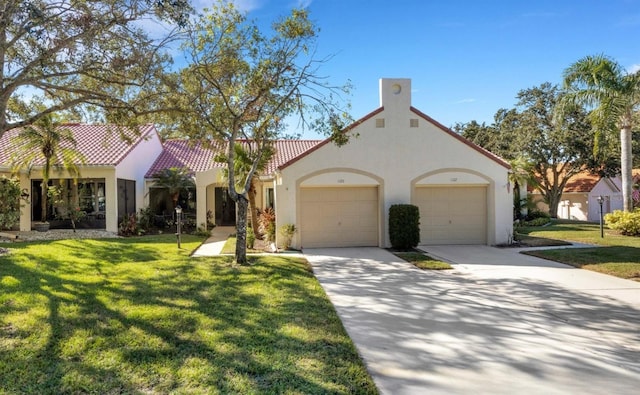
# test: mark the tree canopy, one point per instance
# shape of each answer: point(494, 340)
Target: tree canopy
point(243, 83)
point(556, 146)
point(58, 55)
point(613, 97)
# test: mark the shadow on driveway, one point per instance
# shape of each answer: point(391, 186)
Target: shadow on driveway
point(455, 332)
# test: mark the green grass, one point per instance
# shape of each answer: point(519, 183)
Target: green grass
point(581, 232)
point(422, 261)
point(139, 316)
point(618, 255)
point(230, 247)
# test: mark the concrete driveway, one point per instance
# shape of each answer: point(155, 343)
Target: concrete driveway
point(500, 323)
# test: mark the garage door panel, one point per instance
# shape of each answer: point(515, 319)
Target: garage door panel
point(339, 217)
point(452, 215)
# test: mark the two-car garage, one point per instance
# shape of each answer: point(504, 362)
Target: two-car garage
point(349, 216)
point(340, 195)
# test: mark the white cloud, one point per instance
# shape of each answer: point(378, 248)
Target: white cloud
point(303, 3)
point(634, 68)
point(465, 101)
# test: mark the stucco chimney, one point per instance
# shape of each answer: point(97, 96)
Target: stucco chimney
point(395, 93)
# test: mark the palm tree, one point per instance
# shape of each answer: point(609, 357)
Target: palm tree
point(48, 144)
point(175, 180)
point(521, 175)
point(613, 94)
point(242, 164)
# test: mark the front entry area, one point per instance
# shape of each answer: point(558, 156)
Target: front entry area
point(339, 217)
point(225, 208)
point(452, 215)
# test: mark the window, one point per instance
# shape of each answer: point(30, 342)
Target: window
point(269, 198)
point(91, 196)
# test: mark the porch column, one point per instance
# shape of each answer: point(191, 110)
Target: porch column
point(111, 196)
point(25, 206)
point(201, 205)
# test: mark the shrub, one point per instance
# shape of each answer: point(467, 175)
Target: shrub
point(540, 221)
point(535, 214)
point(267, 224)
point(9, 202)
point(146, 218)
point(129, 226)
point(404, 229)
point(251, 238)
point(202, 231)
point(628, 223)
point(287, 231)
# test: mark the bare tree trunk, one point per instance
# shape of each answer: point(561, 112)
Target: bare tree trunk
point(241, 230)
point(626, 168)
point(553, 198)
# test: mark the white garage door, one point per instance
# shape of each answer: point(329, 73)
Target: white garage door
point(452, 215)
point(339, 217)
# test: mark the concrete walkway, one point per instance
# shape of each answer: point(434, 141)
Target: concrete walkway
point(499, 323)
point(213, 245)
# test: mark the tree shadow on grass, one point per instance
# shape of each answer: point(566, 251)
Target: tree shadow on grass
point(195, 325)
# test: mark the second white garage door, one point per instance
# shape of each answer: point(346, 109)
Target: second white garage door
point(452, 215)
point(339, 217)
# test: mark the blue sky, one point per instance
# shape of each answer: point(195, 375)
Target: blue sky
point(466, 59)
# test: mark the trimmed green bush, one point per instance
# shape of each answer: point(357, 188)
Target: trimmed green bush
point(628, 223)
point(9, 202)
point(404, 226)
point(540, 221)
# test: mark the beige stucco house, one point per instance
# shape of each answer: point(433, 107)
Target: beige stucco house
point(340, 196)
point(111, 182)
point(335, 196)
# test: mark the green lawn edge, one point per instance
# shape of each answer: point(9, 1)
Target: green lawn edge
point(423, 261)
point(614, 254)
point(138, 315)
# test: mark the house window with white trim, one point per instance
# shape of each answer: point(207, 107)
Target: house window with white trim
point(269, 200)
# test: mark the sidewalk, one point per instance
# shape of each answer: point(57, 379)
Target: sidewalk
point(213, 245)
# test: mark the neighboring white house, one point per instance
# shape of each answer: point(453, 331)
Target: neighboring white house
point(579, 200)
point(111, 182)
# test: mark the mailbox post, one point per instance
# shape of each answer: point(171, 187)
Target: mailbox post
point(178, 223)
point(600, 201)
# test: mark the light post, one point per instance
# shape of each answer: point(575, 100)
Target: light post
point(600, 201)
point(178, 222)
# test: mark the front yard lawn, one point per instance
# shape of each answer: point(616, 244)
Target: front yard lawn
point(618, 255)
point(139, 316)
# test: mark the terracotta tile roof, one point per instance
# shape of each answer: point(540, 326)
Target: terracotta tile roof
point(198, 157)
point(101, 145)
point(582, 182)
